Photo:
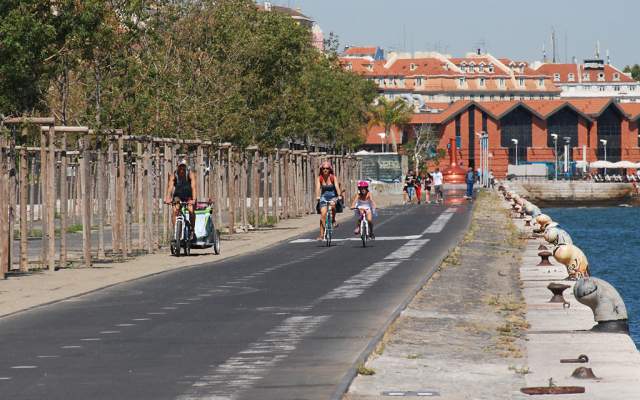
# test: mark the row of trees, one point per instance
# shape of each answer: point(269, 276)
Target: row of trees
point(221, 70)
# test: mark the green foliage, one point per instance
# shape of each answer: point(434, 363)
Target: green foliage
point(389, 113)
point(220, 70)
point(634, 70)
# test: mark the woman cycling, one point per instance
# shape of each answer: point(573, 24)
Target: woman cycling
point(327, 189)
point(363, 203)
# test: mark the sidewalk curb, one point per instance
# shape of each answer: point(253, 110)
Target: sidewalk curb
point(348, 378)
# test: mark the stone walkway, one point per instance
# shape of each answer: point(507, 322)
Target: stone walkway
point(461, 336)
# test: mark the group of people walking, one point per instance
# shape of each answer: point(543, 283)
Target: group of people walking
point(415, 185)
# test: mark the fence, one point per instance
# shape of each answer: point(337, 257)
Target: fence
point(111, 187)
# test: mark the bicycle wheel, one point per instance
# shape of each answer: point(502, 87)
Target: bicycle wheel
point(216, 242)
point(364, 231)
point(328, 229)
point(178, 238)
point(187, 247)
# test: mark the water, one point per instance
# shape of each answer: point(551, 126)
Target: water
point(610, 238)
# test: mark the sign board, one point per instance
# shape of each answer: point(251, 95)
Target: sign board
point(382, 167)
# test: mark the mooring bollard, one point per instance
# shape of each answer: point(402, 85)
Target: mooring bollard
point(557, 289)
point(573, 259)
point(557, 236)
point(544, 258)
point(583, 373)
point(542, 247)
point(606, 303)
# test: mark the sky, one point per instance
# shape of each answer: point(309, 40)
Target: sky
point(515, 29)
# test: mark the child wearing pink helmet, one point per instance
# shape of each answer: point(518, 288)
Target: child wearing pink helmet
point(363, 203)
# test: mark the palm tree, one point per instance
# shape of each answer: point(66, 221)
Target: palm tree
point(389, 113)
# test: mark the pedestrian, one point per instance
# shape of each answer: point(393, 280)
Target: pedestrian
point(491, 179)
point(437, 185)
point(410, 190)
point(428, 182)
point(470, 179)
point(418, 185)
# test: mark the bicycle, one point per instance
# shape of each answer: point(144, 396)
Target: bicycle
point(364, 226)
point(328, 224)
point(181, 232)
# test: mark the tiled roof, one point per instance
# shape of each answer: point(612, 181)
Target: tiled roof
point(360, 50)
point(578, 71)
point(373, 136)
point(631, 109)
point(438, 118)
point(594, 106)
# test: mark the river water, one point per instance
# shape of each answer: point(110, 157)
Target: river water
point(610, 238)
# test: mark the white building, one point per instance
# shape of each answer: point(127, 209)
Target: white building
point(593, 78)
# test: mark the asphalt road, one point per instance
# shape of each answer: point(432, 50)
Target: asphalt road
point(283, 323)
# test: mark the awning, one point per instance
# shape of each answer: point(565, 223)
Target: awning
point(602, 164)
point(625, 164)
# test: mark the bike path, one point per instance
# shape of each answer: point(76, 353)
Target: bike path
point(284, 323)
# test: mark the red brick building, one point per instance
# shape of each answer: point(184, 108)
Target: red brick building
point(531, 122)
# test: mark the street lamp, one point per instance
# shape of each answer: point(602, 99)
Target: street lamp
point(555, 146)
point(604, 143)
point(382, 139)
point(567, 153)
point(515, 141)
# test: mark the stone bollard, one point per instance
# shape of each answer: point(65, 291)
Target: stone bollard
point(574, 259)
point(557, 289)
point(542, 221)
point(542, 247)
point(557, 236)
point(606, 303)
point(544, 259)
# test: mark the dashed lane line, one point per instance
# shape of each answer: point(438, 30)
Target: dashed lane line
point(438, 225)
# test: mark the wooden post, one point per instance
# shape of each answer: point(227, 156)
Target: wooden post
point(44, 198)
point(243, 187)
point(85, 190)
point(276, 186)
point(158, 181)
point(219, 177)
point(200, 172)
point(4, 242)
point(119, 213)
point(265, 187)
point(12, 200)
point(255, 188)
point(32, 192)
point(168, 162)
point(140, 195)
point(51, 194)
point(148, 197)
point(100, 174)
point(64, 201)
point(233, 180)
point(24, 198)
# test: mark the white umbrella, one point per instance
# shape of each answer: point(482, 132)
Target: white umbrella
point(581, 164)
point(602, 164)
point(624, 164)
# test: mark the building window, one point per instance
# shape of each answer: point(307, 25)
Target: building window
point(602, 88)
point(481, 82)
point(461, 82)
point(616, 88)
point(490, 68)
point(501, 82)
point(419, 82)
point(481, 97)
point(521, 82)
point(600, 76)
point(572, 77)
point(481, 67)
point(541, 82)
point(586, 77)
point(616, 76)
point(369, 67)
point(632, 88)
point(556, 77)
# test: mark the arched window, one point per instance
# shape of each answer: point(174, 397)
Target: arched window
point(516, 125)
point(564, 123)
point(609, 123)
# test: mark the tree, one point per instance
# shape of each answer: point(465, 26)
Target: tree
point(634, 71)
point(424, 145)
point(389, 113)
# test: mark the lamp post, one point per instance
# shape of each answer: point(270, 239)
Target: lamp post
point(604, 143)
point(383, 136)
point(567, 153)
point(555, 147)
point(515, 141)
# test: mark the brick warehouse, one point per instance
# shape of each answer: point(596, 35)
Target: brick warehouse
point(532, 122)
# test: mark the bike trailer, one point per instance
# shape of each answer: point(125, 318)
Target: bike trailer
point(205, 235)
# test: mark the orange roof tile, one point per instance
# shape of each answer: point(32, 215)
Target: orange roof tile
point(631, 109)
point(578, 70)
point(360, 50)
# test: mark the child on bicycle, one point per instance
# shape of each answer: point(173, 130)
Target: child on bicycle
point(363, 204)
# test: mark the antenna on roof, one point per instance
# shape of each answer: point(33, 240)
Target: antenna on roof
point(597, 49)
point(544, 54)
point(553, 44)
point(608, 58)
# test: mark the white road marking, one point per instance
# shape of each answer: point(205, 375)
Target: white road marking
point(5, 378)
point(356, 285)
point(407, 249)
point(108, 332)
point(242, 371)
point(169, 308)
point(91, 339)
point(71, 347)
point(182, 303)
point(44, 356)
point(24, 367)
point(126, 325)
point(156, 313)
point(438, 225)
point(378, 238)
point(141, 319)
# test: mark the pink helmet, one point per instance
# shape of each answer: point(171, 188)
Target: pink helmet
point(363, 184)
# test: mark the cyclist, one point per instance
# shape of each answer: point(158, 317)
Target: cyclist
point(181, 187)
point(363, 203)
point(327, 193)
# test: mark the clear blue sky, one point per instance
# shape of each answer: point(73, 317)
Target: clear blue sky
point(515, 28)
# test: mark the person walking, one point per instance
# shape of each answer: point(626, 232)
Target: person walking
point(428, 182)
point(437, 185)
point(418, 185)
point(470, 178)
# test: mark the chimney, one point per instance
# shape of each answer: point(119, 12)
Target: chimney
point(479, 52)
